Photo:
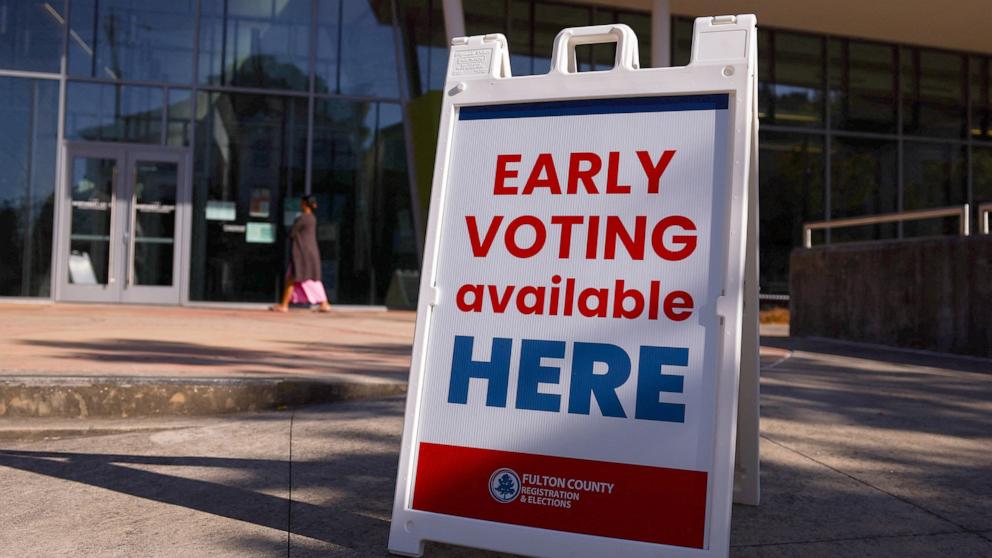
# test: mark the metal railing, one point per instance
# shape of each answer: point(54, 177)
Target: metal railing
point(962, 212)
point(983, 217)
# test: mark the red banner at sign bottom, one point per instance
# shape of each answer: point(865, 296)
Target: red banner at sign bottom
point(633, 502)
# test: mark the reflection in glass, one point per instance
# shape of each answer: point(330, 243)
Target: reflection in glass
point(425, 44)
point(105, 112)
point(641, 24)
point(862, 86)
point(791, 193)
point(343, 178)
point(365, 223)
point(933, 176)
point(28, 136)
point(981, 168)
point(981, 97)
point(518, 33)
point(548, 20)
point(682, 42)
point(153, 222)
point(603, 57)
point(256, 43)
point(863, 182)
point(368, 49)
point(765, 82)
point(395, 238)
point(179, 114)
point(249, 149)
point(791, 80)
point(31, 35)
point(149, 40)
point(514, 19)
point(933, 89)
point(91, 195)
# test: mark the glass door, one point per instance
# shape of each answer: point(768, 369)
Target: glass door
point(92, 223)
point(152, 226)
point(123, 224)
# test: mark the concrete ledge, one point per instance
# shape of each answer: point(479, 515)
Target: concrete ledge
point(120, 397)
point(922, 293)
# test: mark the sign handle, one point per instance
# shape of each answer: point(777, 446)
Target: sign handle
point(566, 41)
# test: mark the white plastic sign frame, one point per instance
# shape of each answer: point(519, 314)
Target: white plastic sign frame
point(723, 64)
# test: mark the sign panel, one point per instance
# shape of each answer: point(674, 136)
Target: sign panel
point(573, 387)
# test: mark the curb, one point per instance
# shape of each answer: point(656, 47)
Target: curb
point(122, 397)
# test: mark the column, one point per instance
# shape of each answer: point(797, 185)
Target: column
point(454, 18)
point(661, 33)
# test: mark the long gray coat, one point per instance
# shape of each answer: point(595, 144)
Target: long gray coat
point(306, 254)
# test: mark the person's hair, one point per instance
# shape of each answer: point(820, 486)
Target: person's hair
point(310, 201)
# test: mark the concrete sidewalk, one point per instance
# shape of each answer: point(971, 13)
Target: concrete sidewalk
point(149, 341)
point(74, 360)
point(86, 360)
point(865, 452)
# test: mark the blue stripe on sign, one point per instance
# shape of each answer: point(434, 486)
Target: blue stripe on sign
point(597, 106)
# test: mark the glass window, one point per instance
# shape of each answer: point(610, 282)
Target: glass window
point(934, 175)
point(794, 94)
point(981, 98)
point(249, 162)
point(933, 89)
point(28, 138)
point(981, 168)
point(791, 167)
point(147, 40)
point(862, 86)
point(863, 182)
point(394, 236)
point(179, 117)
point(327, 64)
point(549, 19)
point(110, 112)
point(766, 83)
point(344, 174)
point(368, 49)
point(426, 53)
point(256, 43)
point(603, 57)
point(518, 34)
point(365, 225)
point(31, 33)
point(682, 42)
point(641, 24)
point(490, 16)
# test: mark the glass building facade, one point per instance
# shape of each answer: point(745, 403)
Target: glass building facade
point(181, 135)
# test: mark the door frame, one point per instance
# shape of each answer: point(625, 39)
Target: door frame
point(126, 154)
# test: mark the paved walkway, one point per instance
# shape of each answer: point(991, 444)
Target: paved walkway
point(865, 452)
point(104, 340)
point(95, 340)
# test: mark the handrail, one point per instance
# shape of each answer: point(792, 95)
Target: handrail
point(960, 211)
point(983, 217)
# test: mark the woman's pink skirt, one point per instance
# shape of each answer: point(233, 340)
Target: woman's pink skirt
point(308, 292)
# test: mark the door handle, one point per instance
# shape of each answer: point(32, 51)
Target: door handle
point(132, 223)
point(111, 249)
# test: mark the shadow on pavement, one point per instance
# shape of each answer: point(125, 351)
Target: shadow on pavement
point(118, 473)
point(376, 359)
point(880, 354)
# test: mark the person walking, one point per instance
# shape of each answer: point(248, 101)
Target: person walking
point(303, 278)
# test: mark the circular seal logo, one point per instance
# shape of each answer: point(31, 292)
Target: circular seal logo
point(504, 485)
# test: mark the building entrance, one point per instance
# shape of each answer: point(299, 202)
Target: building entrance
point(122, 225)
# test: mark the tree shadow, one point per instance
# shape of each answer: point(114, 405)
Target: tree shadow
point(111, 472)
point(385, 360)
